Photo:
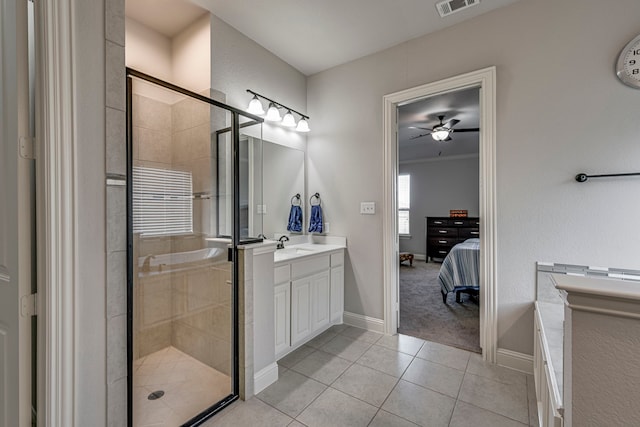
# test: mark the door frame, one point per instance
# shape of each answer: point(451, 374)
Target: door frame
point(485, 79)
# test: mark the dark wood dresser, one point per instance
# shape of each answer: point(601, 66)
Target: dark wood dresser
point(443, 233)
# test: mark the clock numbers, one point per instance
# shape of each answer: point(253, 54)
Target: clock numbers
point(628, 65)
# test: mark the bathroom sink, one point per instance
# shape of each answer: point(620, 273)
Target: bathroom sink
point(294, 251)
point(301, 250)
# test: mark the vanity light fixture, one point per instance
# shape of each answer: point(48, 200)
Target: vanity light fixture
point(273, 113)
point(303, 126)
point(288, 120)
point(255, 106)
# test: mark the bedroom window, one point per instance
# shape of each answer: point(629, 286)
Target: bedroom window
point(162, 201)
point(404, 202)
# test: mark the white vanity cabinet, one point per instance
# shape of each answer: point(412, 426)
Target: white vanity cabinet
point(308, 298)
point(282, 308)
point(337, 288)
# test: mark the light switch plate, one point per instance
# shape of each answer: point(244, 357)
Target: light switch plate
point(367, 208)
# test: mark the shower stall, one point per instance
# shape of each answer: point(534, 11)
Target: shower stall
point(188, 210)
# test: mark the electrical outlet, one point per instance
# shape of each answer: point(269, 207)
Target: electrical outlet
point(262, 209)
point(326, 228)
point(367, 208)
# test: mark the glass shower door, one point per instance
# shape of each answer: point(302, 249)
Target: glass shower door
point(182, 274)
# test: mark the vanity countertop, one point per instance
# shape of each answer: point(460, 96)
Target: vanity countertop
point(292, 252)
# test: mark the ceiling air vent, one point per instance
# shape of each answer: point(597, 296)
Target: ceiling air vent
point(448, 7)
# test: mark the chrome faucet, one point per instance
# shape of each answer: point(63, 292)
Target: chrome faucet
point(281, 241)
point(146, 265)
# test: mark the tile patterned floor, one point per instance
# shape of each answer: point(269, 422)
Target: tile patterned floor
point(349, 377)
point(189, 387)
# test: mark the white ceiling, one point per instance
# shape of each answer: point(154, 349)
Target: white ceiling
point(168, 17)
point(461, 105)
point(312, 35)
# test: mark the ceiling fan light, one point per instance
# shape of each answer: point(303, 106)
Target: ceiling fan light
point(440, 134)
point(255, 106)
point(273, 114)
point(303, 126)
point(288, 120)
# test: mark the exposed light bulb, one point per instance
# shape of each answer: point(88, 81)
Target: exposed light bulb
point(273, 114)
point(288, 120)
point(255, 106)
point(303, 126)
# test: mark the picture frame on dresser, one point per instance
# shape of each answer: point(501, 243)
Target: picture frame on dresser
point(443, 233)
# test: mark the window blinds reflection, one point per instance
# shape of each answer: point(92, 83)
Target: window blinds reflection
point(162, 201)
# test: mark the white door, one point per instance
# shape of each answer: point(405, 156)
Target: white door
point(16, 219)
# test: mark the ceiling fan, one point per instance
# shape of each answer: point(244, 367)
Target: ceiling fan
point(442, 131)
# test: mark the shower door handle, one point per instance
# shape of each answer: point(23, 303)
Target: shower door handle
point(230, 254)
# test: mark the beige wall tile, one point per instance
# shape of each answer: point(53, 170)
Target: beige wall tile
point(114, 21)
point(117, 345)
point(116, 141)
point(116, 284)
point(116, 219)
point(155, 300)
point(181, 115)
point(117, 403)
point(202, 290)
point(152, 114)
point(154, 145)
point(115, 76)
point(153, 339)
point(154, 246)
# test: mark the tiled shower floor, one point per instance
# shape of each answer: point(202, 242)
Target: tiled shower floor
point(189, 387)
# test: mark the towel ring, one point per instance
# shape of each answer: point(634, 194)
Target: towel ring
point(294, 198)
point(315, 196)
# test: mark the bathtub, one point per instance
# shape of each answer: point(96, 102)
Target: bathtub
point(168, 261)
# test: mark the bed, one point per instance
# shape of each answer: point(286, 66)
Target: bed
point(460, 270)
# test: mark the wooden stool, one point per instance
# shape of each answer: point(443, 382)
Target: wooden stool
point(404, 256)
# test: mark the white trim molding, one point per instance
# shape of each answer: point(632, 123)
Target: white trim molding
point(265, 377)
point(57, 199)
point(363, 322)
point(514, 360)
point(484, 79)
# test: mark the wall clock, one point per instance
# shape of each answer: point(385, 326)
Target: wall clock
point(628, 66)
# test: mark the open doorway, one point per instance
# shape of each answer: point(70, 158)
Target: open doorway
point(438, 218)
point(483, 79)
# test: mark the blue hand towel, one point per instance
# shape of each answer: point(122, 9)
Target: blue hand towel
point(295, 219)
point(315, 222)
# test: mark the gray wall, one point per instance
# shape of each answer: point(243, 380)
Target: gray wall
point(560, 110)
point(239, 63)
point(437, 186)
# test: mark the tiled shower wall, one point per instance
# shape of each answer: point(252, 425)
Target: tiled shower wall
point(116, 210)
point(189, 309)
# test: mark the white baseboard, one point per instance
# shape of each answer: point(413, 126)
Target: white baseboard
point(419, 257)
point(514, 360)
point(364, 322)
point(265, 377)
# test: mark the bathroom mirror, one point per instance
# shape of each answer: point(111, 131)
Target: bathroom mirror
point(283, 178)
point(270, 176)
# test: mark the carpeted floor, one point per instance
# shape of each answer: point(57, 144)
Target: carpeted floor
point(423, 315)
